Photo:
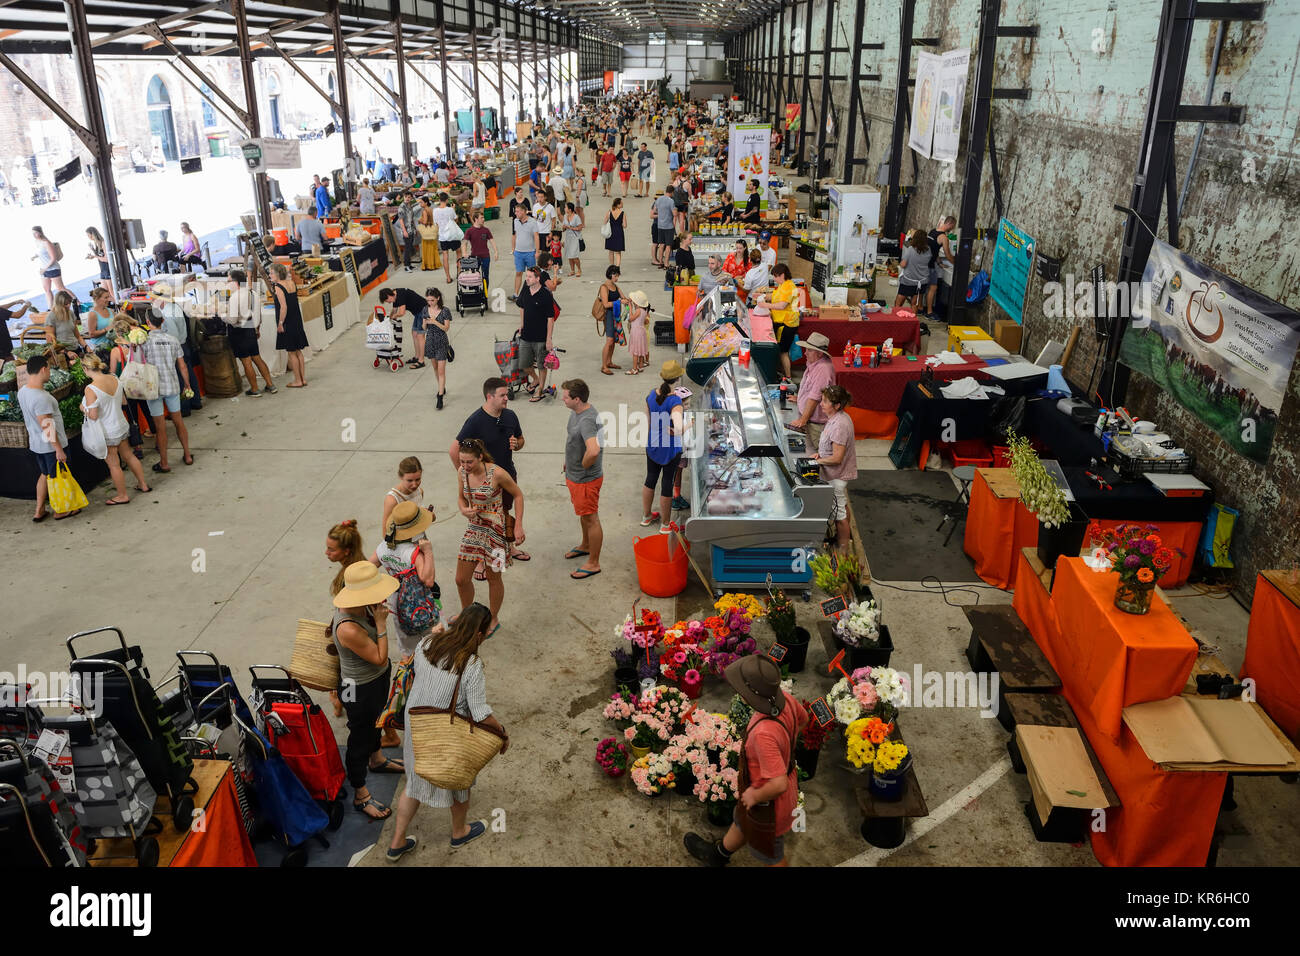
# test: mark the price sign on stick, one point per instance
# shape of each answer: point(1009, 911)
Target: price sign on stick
point(822, 711)
point(777, 652)
point(834, 607)
point(837, 664)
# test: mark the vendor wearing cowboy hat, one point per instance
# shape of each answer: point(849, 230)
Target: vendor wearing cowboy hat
point(768, 755)
point(360, 632)
point(663, 446)
point(819, 373)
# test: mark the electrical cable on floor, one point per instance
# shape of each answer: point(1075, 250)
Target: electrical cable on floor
point(943, 589)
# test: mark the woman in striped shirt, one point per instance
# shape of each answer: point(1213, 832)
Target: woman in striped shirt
point(448, 656)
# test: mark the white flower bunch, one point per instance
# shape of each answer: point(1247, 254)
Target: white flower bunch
point(842, 702)
point(860, 624)
point(890, 685)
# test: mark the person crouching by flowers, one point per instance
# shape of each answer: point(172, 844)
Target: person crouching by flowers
point(767, 767)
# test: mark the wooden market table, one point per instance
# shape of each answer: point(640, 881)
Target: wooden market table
point(1273, 649)
point(222, 841)
point(905, 331)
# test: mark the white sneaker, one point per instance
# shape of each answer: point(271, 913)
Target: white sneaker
point(649, 519)
point(664, 529)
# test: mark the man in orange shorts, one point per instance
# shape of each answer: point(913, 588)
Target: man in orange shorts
point(583, 474)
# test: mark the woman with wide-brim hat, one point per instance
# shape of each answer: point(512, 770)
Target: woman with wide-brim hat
point(767, 767)
point(819, 373)
point(360, 631)
point(663, 446)
point(405, 547)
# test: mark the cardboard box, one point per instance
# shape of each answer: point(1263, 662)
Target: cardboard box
point(1060, 773)
point(1008, 333)
point(837, 312)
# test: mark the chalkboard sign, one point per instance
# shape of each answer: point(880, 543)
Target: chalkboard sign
point(390, 238)
point(822, 711)
point(350, 266)
point(777, 652)
point(260, 250)
point(834, 606)
point(327, 309)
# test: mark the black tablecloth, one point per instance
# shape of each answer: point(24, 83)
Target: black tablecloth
point(1132, 501)
point(18, 471)
point(970, 415)
point(371, 259)
point(1068, 443)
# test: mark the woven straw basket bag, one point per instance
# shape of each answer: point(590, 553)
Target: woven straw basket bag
point(315, 661)
point(450, 750)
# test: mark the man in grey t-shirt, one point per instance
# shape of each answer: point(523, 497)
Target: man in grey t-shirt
point(583, 474)
point(645, 163)
point(46, 437)
point(311, 232)
point(528, 242)
point(663, 208)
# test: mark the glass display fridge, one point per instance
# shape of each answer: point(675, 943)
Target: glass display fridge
point(756, 501)
point(722, 324)
point(853, 228)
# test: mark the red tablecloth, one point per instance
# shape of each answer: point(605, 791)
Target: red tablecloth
point(881, 389)
point(1273, 655)
point(906, 333)
point(1165, 818)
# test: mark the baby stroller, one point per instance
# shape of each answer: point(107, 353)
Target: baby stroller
point(471, 287)
point(384, 338)
point(37, 824)
point(113, 797)
point(128, 701)
point(507, 356)
point(299, 730)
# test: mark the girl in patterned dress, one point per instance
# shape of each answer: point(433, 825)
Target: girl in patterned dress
point(480, 484)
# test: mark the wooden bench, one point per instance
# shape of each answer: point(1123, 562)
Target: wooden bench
point(1000, 642)
point(1062, 824)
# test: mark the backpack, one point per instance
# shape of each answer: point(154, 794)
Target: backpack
point(417, 607)
point(58, 252)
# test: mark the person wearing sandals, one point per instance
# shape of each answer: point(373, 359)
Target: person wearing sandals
point(164, 353)
point(497, 427)
point(360, 633)
point(244, 332)
point(103, 404)
point(480, 487)
point(437, 326)
point(405, 547)
point(47, 439)
point(449, 655)
point(290, 335)
point(609, 294)
point(638, 332)
point(663, 446)
point(343, 547)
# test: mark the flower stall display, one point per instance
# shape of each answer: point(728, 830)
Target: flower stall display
point(612, 756)
point(867, 691)
point(781, 617)
point(652, 774)
point(1140, 557)
point(837, 573)
point(859, 626)
point(808, 747)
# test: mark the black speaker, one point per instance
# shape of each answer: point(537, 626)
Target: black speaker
point(191, 165)
point(134, 233)
point(331, 129)
point(375, 127)
point(67, 173)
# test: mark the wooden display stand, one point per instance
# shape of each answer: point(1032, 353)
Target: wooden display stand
point(999, 641)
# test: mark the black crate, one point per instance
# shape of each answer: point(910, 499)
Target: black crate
point(665, 333)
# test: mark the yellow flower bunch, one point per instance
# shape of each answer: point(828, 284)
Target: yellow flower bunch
point(746, 604)
point(889, 756)
point(858, 746)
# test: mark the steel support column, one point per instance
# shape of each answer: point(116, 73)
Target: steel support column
point(449, 119)
point(403, 114)
point(498, 40)
point(855, 110)
point(102, 153)
point(341, 72)
point(550, 82)
point(823, 141)
point(261, 191)
point(473, 61)
point(519, 64)
point(805, 97)
point(907, 14)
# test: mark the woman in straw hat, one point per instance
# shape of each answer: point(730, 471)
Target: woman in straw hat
point(638, 334)
point(404, 548)
point(360, 631)
point(448, 655)
point(663, 446)
point(767, 762)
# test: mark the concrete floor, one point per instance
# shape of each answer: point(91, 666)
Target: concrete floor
point(225, 556)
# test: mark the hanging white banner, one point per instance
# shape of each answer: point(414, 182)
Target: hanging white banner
point(924, 99)
point(953, 68)
point(747, 160)
point(266, 153)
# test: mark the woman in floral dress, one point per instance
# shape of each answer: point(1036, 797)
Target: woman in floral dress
point(480, 484)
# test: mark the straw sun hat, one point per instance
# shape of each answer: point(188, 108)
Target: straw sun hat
point(670, 370)
point(640, 298)
point(364, 585)
point(406, 521)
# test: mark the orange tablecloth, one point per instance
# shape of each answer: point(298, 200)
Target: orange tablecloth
point(1118, 659)
point(996, 529)
point(223, 840)
point(1165, 819)
point(1181, 536)
point(684, 296)
point(1273, 656)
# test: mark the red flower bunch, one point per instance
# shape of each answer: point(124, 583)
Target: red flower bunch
point(612, 757)
point(814, 735)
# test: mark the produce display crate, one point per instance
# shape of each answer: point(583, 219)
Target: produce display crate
point(1133, 467)
point(13, 435)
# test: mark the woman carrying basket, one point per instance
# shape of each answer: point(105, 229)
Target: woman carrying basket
point(446, 664)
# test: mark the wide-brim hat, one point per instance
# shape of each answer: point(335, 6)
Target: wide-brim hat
point(640, 298)
point(364, 585)
point(407, 520)
point(818, 342)
point(757, 679)
point(671, 369)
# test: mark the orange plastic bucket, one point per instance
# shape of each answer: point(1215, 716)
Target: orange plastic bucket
point(281, 236)
point(656, 573)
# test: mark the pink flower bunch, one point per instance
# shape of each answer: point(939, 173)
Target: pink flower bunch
point(671, 706)
point(715, 784)
point(612, 757)
point(725, 651)
point(620, 708)
point(711, 732)
point(684, 657)
point(737, 622)
point(646, 729)
point(649, 634)
point(860, 675)
point(865, 694)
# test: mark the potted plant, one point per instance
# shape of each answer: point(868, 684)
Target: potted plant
point(1140, 557)
point(625, 671)
point(780, 615)
point(715, 787)
point(808, 748)
point(1061, 526)
point(891, 763)
point(612, 756)
point(647, 731)
point(865, 640)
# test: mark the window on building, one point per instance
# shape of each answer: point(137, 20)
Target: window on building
point(162, 127)
point(209, 114)
point(273, 101)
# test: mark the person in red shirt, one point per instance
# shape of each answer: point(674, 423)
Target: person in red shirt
point(768, 752)
point(607, 161)
point(737, 263)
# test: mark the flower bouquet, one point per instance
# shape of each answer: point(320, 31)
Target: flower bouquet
point(652, 774)
point(836, 573)
point(620, 709)
point(716, 788)
point(746, 605)
point(1060, 531)
point(685, 664)
point(670, 706)
point(892, 759)
point(612, 757)
point(890, 687)
point(729, 642)
point(643, 632)
point(1140, 557)
point(646, 731)
point(859, 626)
point(808, 747)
